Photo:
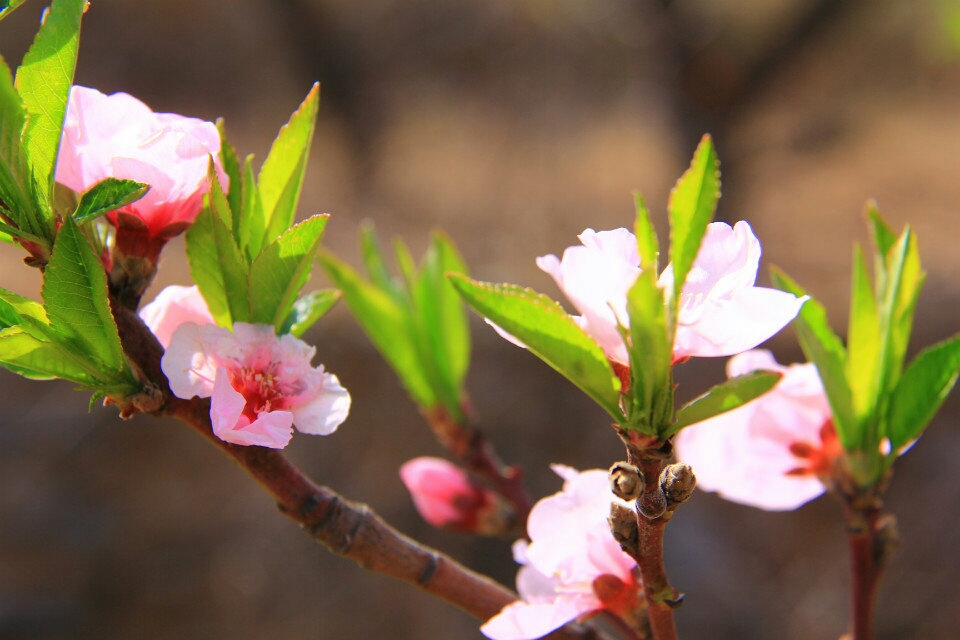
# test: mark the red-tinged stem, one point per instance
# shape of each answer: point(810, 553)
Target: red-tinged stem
point(476, 453)
point(661, 597)
point(872, 537)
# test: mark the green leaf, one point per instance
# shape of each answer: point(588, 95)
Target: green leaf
point(231, 167)
point(43, 82)
point(651, 356)
point(281, 176)
point(7, 7)
point(864, 364)
point(904, 279)
point(647, 244)
point(308, 309)
point(75, 297)
point(824, 348)
point(691, 207)
point(882, 235)
point(30, 357)
point(15, 177)
point(249, 230)
point(106, 196)
point(375, 264)
point(218, 268)
point(386, 322)
point(281, 270)
point(724, 397)
point(440, 321)
point(550, 333)
point(921, 391)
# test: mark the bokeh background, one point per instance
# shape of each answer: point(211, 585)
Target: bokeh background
point(513, 125)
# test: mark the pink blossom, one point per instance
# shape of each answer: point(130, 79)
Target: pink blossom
point(721, 311)
point(446, 497)
point(172, 307)
point(118, 136)
point(572, 565)
point(772, 452)
point(260, 385)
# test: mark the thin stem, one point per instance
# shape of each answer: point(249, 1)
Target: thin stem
point(471, 447)
point(872, 537)
point(652, 518)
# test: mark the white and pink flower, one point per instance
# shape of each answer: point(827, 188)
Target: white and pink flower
point(171, 308)
point(572, 565)
point(721, 311)
point(118, 136)
point(772, 452)
point(446, 497)
point(260, 385)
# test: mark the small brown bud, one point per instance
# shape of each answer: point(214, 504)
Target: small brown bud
point(623, 526)
point(652, 504)
point(626, 481)
point(678, 482)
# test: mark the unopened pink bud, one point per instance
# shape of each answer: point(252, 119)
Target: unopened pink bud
point(446, 497)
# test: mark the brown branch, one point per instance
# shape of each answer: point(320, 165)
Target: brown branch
point(347, 528)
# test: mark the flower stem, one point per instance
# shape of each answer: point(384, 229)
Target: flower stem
point(475, 452)
point(661, 597)
point(872, 537)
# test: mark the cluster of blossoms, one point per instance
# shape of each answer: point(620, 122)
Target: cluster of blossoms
point(721, 312)
point(260, 385)
point(572, 565)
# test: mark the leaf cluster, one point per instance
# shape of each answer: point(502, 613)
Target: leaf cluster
point(879, 407)
point(72, 335)
point(416, 320)
point(246, 255)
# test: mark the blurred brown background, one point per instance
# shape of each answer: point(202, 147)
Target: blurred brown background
point(512, 124)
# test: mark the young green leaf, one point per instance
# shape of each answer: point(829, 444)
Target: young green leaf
point(308, 309)
point(724, 397)
point(106, 196)
point(15, 177)
point(387, 323)
point(231, 167)
point(924, 386)
point(250, 229)
point(863, 369)
point(75, 297)
point(691, 207)
point(824, 348)
point(33, 358)
point(375, 264)
point(651, 355)
point(43, 82)
point(647, 244)
point(281, 176)
point(218, 268)
point(281, 270)
point(550, 333)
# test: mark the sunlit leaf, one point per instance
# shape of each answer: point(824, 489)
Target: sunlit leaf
point(308, 309)
point(724, 397)
point(691, 207)
point(281, 270)
point(108, 195)
point(550, 333)
point(922, 389)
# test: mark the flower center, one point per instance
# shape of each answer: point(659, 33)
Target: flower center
point(817, 460)
point(260, 388)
